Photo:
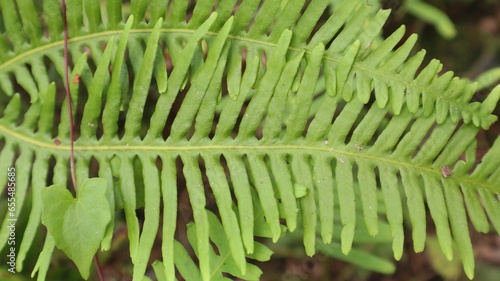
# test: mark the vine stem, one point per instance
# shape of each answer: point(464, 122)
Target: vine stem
point(68, 98)
point(98, 268)
point(71, 127)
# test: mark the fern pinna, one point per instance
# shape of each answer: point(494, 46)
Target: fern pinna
point(274, 113)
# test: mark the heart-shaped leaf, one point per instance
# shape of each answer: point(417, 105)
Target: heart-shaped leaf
point(77, 225)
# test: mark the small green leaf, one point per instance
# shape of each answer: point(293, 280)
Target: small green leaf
point(434, 16)
point(299, 190)
point(77, 225)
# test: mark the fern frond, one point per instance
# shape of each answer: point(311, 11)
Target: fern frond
point(255, 133)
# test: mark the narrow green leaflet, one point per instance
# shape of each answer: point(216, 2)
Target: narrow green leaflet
point(357, 257)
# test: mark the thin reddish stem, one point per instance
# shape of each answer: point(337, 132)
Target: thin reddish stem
point(71, 127)
point(68, 98)
point(98, 268)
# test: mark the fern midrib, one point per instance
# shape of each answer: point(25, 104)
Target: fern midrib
point(244, 149)
point(21, 58)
